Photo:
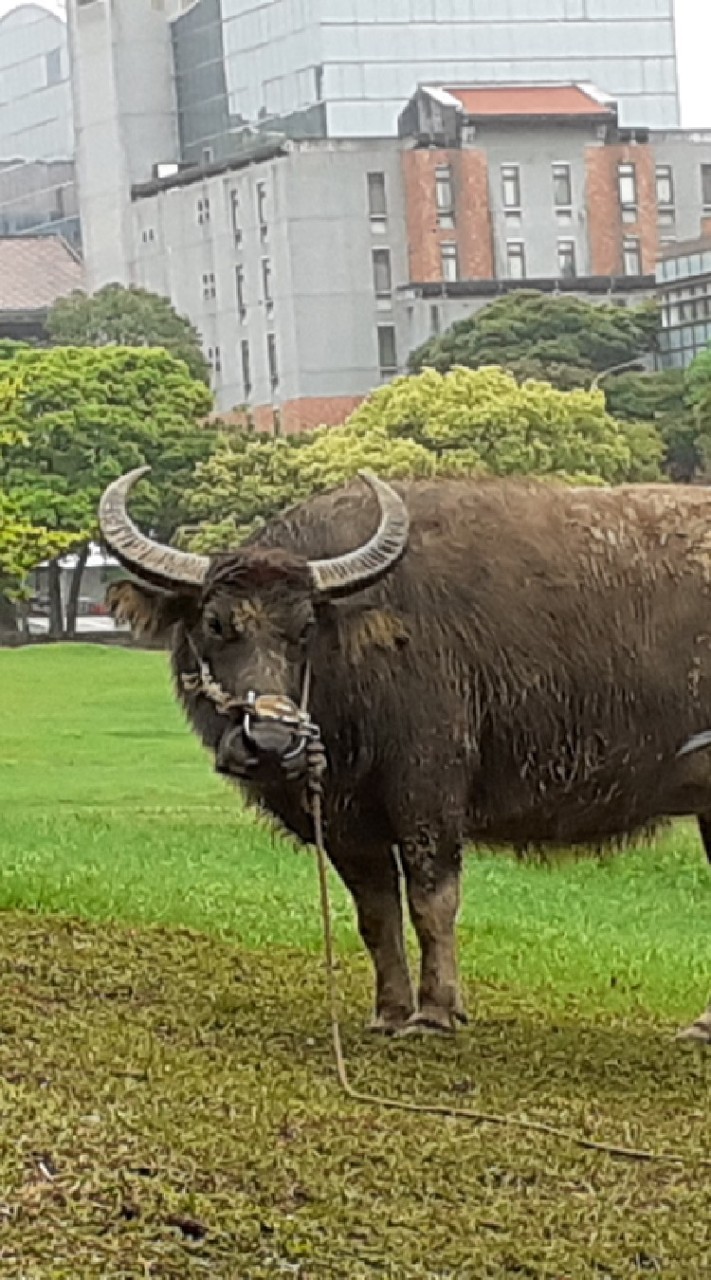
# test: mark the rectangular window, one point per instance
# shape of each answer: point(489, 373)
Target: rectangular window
point(208, 155)
point(632, 256)
point(377, 196)
point(262, 207)
point(203, 211)
point(449, 259)
point(272, 361)
point(387, 350)
point(566, 260)
point(665, 186)
point(214, 359)
point(444, 195)
point(435, 321)
point(53, 67)
point(239, 289)
point(267, 283)
point(208, 286)
point(562, 186)
point(706, 187)
point(511, 186)
point(627, 187)
point(234, 207)
point(516, 260)
point(382, 273)
point(246, 369)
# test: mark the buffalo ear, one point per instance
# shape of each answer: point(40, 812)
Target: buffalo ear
point(148, 611)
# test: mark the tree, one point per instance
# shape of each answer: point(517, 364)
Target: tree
point(561, 339)
point(461, 422)
point(131, 317)
point(76, 419)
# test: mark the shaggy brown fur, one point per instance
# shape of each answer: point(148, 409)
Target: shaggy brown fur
point(526, 675)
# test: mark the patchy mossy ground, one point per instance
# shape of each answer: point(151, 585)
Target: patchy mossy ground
point(168, 1109)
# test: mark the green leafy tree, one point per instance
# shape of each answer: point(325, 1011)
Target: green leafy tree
point(131, 317)
point(563, 340)
point(77, 418)
point(465, 421)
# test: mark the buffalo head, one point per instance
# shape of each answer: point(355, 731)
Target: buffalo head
point(246, 618)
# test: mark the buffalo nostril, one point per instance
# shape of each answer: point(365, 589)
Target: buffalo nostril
point(271, 739)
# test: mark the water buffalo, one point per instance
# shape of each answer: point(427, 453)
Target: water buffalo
point(507, 662)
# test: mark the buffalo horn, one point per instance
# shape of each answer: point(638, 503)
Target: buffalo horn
point(147, 559)
point(358, 569)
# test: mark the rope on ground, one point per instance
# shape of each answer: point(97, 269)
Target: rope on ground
point(443, 1109)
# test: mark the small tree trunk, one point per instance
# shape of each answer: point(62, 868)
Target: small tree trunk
point(54, 590)
point(75, 591)
point(8, 615)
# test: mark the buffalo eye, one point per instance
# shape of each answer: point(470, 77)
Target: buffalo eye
point(214, 625)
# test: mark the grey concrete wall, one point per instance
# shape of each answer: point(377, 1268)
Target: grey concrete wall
point(319, 243)
point(685, 152)
point(535, 150)
point(125, 121)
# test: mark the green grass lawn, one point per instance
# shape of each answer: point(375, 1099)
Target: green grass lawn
point(167, 1101)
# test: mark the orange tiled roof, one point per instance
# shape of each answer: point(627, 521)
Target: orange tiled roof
point(35, 271)
point(531, 100)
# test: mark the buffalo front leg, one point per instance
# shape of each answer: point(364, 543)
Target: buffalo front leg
point(433, 881)
point(371, 874)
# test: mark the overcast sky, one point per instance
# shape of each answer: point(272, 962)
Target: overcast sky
point(694, 42)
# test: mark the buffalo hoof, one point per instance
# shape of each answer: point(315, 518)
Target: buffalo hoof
point(389, 1023)
point(700, 1031)
point(431, 1022)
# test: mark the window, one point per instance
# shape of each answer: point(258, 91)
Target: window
point(262, 208)
point(53, 67)
point(239, 289)
point(444, 195)
point(562, 186)
point(435, 321)
point(272, 361)
point(214, 359)
point(516, 260)
point(267, 283)
point(665, 185)
point(632, 256)
point(382, 273)
point(387, 350)
point(377, 196)
point(208, 286)
point(236, 228)
point(148, 235)
point(566, 259)
point(706, 187)
point(511, 186)
point(449, 258)
point(203, 211)
point(627, 186)
point(246, 369)
point(208, 155)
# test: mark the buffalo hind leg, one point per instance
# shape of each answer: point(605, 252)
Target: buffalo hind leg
point(704, 820)
point(433, 881)
point(372, 875)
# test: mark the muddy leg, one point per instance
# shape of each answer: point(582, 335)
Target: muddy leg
point(433, 898)
point(372, 876)
point(704, 820)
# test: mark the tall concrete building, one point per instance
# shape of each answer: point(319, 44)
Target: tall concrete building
point(345, 68)
point(275, 170)
point(37, 191)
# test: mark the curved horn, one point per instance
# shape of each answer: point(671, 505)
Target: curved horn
point(147, 559)
point(358, 569)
